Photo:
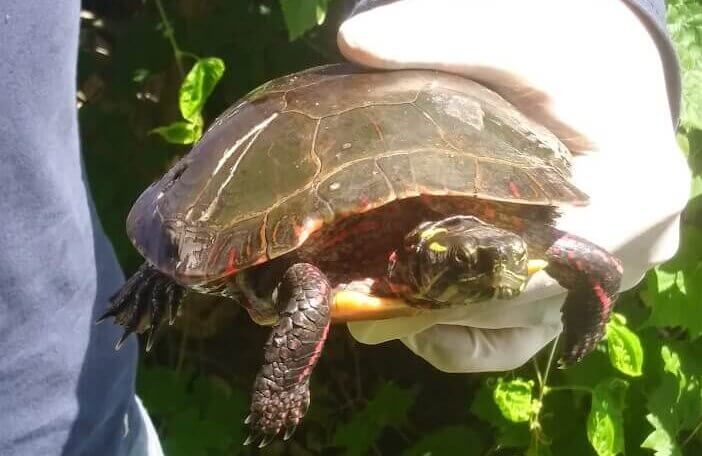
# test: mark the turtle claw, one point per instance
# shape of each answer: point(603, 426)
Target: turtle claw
point(109, 313)
point(248, 419)
point(251, 438)
point(139, 304)
point(123, 339)
point(289, 432)
point(150, 337)
point(268, 438)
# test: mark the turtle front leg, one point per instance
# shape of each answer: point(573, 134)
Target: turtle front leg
point(144, 301)
point(281, 390)
point(592, 277)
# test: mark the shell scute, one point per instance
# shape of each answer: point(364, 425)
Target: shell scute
point(310, 148)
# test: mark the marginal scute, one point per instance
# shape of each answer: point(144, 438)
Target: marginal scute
point(558, 186)
point(443, 172)
point(290, 222)
point(234, 248)
point(398, 170)
point(507, 182)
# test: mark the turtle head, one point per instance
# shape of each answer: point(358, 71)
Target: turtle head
point(460, 260)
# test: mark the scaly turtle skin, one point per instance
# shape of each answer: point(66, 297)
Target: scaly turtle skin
point(416, 185)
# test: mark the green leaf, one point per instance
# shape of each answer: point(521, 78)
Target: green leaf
point(389, 407)
point(660, 440)
point(448, 441)
point(509, 434)
point(685, 24)
point(198, 86)
point(514, 399)
point(675, 405)
point(180, 132)
point(605, 424)
point(624, 347)
point(302, 15)
point(674, 289)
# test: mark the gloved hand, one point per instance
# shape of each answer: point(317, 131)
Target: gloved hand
point(589, 71)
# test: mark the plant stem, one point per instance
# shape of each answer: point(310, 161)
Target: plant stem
point(169, 33)
point(548, 367)
point(538, 371)
point(534, 425)
point(581, 388)
point(692, 434)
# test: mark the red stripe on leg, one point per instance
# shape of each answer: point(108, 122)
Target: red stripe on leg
point(312, 360)
point(603, 298)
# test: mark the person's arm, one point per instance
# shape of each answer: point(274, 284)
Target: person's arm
point(63, 389)
point(594, 74)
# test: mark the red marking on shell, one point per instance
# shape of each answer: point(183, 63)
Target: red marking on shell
point(514, 190)
point(231, 262)
point(303, 232)
point(312, 360)
point(364, 203)
point(362, 227)
point(489, 213)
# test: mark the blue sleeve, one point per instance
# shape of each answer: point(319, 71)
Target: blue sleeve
point(63, 389)
point(650, 12)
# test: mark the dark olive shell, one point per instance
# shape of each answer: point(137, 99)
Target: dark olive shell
point(306, 149)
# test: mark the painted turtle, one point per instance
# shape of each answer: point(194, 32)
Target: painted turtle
point(347, 193)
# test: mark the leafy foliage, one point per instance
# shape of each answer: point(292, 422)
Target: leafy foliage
point(685, 25)
point(194, 91)
point(605, 424)
point(301, 15)
point(639, 393)
point(624, 347)
point(388, 407)
point(514, 399)
point(201, 415)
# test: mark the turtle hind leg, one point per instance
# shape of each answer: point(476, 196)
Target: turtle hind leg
point(281, 390)
point(592, 277)
point(143, 302)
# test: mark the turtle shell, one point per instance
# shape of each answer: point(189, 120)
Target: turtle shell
point(310, 148)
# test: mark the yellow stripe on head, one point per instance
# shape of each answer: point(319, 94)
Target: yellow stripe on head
point(436, 247)
point(428, 233)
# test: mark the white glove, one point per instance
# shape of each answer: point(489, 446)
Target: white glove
point(590, 72)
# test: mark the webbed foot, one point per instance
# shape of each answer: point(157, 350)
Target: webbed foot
point(144, 301)
point(592, 277)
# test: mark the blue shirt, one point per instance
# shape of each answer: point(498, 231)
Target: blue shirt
point(63, 388)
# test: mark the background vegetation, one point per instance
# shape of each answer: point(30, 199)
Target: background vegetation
point(146, 70)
